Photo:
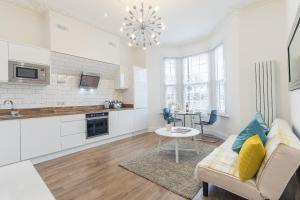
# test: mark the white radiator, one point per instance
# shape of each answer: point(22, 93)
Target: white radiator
point(265, 90)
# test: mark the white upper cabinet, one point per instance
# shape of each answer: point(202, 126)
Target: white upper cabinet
point(3, 61)
point(28, 54)
point(73, 37)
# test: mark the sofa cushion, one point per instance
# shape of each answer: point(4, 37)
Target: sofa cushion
point(251, 129)
point(250, 157)
point(281, 161)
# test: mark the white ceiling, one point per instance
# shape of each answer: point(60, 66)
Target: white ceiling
point(185, 20)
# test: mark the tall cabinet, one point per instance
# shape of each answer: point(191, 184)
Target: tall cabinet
point(140, 97)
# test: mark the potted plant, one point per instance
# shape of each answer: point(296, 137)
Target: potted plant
point(168, 118)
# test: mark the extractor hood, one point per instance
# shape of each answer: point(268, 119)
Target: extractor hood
point(89, 80)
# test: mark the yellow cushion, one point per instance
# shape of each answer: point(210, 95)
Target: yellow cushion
point(250, 157)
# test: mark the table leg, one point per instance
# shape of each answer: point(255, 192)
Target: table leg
point(195, 144)
point(176, 151)
point(184, 120)
point(175, 119)
point(159, 142)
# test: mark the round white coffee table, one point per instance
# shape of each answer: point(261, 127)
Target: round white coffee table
point(162, 132)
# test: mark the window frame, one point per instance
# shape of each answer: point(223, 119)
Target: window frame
point(211, 83)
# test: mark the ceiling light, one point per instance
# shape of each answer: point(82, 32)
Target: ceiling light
point(142, 26)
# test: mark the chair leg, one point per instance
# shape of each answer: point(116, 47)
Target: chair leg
point(205, 189)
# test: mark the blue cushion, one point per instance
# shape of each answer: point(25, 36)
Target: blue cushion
point(252, 128)
point(258, 116)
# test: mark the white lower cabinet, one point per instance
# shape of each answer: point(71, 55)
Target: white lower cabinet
point(113, 126)
point(40, 136)
point(140, 119)
point(30, 138)
point(126, 121)
point(72, 141)
point(9, 142)
point(120, 122)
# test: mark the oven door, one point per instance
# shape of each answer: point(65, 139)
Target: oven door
point(97, 127)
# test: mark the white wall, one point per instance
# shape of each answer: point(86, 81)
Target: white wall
point(154, 58)
point(22, 25)
point(262, 37)
point(292, 7)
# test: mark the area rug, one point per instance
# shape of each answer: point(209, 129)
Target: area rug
point(159, 166)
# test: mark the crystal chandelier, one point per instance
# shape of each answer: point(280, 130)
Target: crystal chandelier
point(142, 26)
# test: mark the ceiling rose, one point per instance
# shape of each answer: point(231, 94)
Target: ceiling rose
point(142, 26)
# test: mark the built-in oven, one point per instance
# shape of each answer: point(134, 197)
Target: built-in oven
point(20, 72)
point(96, 124)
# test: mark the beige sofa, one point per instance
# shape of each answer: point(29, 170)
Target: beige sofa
point(282, 160)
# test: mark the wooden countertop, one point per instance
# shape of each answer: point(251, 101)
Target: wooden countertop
point(58, 111)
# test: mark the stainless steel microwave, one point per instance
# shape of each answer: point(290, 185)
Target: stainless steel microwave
point(20, 72)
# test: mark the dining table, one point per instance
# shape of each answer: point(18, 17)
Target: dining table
point(184, 114)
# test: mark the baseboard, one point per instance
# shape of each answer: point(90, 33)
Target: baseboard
point(84, 147)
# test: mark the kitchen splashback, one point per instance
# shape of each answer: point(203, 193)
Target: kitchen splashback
point(64, 86)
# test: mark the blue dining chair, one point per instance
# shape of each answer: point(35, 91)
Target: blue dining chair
point(212, 119)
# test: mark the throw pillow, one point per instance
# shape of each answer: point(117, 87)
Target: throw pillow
point(250, 157)
point(258, 116)
point(251, 129)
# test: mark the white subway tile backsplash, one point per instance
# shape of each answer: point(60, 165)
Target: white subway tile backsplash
point(64, 86)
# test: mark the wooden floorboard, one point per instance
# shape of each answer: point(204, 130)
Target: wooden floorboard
point(95, 174)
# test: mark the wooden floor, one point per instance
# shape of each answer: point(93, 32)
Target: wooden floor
point(95, 174)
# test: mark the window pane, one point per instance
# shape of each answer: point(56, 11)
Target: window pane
point(197, 96)
point(171, 95)
point(170, 71)
point(219, 62)
point(196, 69)
point(221, 96)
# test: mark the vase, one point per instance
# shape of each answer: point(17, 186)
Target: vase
point(169, 127)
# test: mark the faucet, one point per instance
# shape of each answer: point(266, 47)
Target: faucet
point(12, 108)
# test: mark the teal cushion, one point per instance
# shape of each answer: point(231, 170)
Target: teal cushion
point(252, 128)
point(258, 116)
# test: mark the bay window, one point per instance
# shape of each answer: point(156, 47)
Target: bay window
point(170, 81)
point(198, 81)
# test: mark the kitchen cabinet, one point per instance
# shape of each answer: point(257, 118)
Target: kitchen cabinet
point(9, 142)
point(28, 54)
point(114, 125)
point(3, 61)
point(140, 119)
point(73, 124)
point(72, 131)
point(40, 136)
point(140, 87)
point(73, 37)
point(127, 121)
point(121, 122)
point(121, 82)
point(71, 141)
